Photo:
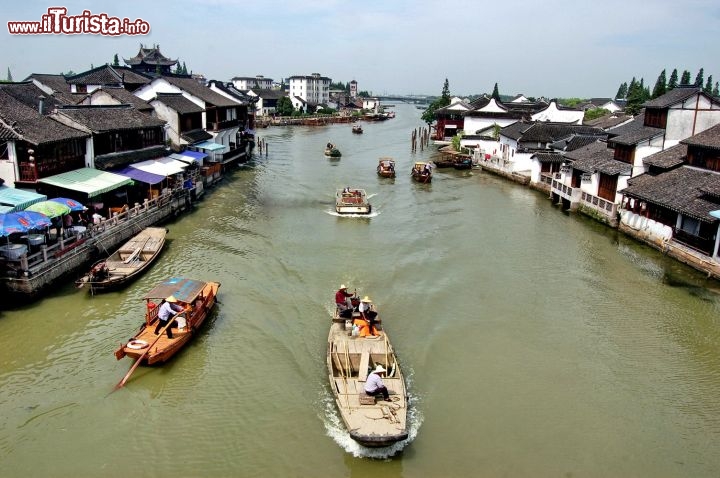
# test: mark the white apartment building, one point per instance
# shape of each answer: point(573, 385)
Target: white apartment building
point(244, 83)
point(313, 89)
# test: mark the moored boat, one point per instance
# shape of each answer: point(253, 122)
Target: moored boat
point(371, 421)
point(127, 262)
point(352, 201)
point(422, 172)
point(357, 129)
point(198, 298)
point(462, 162)
point(386, 167)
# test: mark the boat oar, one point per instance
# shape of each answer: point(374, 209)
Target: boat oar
point(142, 356)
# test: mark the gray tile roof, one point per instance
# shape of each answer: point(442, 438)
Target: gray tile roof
point(193, 87)
point(126, 97)
point(102, 75)
point(196, 135)
point(7, 133)
point(597, 157)
point(110, 118)
point(667, 158)
point(178, 103)
point(710, 138)
point(672, 97)
point(515, 130)
point(549, 157)
point(30, 94)
point(609, 121)
point(268, 94)
point(634, 132)
point(58, 85)
point(684, 190)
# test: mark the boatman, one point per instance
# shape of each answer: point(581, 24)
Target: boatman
point(374, 385)
point(343, 302)
point(167, 311)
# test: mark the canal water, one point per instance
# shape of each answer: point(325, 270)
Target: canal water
point(536, 343)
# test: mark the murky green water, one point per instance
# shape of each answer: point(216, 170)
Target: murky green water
point(537, 344)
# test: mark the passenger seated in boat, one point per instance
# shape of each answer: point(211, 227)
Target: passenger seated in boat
point(366, 321)
point(343, 302)
point(374, 385)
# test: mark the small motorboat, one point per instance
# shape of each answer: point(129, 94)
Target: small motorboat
point(352, 201)
point(386, 167)
point(422, 172)
point(357, 129)
point(331, 151)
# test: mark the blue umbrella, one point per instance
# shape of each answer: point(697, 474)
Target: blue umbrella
point(71, 203)
point(22, 221)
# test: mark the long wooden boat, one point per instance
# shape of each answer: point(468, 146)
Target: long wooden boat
point(127, 262)
point(386, 167)
point(352, 201)
point(200, 298)
point(463, 162)
point(350, 359)
point(420, 173)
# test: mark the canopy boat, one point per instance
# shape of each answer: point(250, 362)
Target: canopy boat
point(352, 201)
point(357, 129)
point(444, 162)
point(148, 348)
point(422, 172)
point(331, 151)
point(126, 263)
point(462, 162)
point(350, 359)
point(386, 167)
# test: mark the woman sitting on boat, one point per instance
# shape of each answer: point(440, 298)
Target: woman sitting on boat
point(366, 321)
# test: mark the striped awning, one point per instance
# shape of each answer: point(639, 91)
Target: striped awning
point(18, 199)
point(90, 181)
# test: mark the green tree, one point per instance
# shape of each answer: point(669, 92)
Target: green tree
point(178, 68)
point(685, 78)
point(622, 91)
point(593, 113)
point(284, 106)
point(673, 82)
point(708, 86)
point(699, 78)
point(184, 69)
point(496, 93)
point(428, 115)
point(636, 97)
point(660, 85)
point(716, 90)
point(9, 75)
point(445, 95)
point(116, 60)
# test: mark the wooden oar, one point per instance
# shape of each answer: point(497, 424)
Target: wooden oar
point(142, 356)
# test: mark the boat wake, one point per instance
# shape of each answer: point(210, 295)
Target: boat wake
point(334, 213)
point(337, 431)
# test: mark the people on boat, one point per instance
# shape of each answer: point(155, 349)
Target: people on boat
point(374, 384)
point(427, 168)
point(343, 301)
point(366, 321)
point(330, 145)
point(168, 309)
point(97, 218)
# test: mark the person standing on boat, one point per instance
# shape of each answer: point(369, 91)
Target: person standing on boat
point(343, 302)
point(374, 385)
point(168, 310)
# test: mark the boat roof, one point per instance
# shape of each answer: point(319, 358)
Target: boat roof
point(351, 189)
point(383, 159)
point(420, 163)
point(184, 290)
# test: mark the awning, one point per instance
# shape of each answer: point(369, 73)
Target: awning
point(209, 145)
point(163, 166)
point(5, 209)
point(189, 157)
point(18, 199)
point(715, 213)
point(90, 181)
point(140, 175)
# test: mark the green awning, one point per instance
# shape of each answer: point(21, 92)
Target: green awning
point(90, 181)
point(18, 199)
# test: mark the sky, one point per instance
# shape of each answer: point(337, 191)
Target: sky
point(550, 48)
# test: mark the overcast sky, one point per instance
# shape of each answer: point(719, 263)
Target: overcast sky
point(552, 48)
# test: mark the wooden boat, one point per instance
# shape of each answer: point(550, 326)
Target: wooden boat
point(352, 201)
point(331, 151)
point(420, 173)
point(445, 162)
point(357, 129)
point(350, 359)
point(126, 263)
point(462, 162)
point(148, 348)
point(386, 167)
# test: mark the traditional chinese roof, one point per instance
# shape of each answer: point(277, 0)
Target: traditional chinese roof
point(123, 96)
point(667, 158)
point(109, 117)
point(673, 97)
point(229, 89)
point(102, 75)
point(268, 94)
point(189, 85)
point(178, 103)
point(515, 130)
point(31, 95)
point(608, 121)
point(544, 157)
point(150, 56)
point(7, 133)
point(597, 157)
point(685, 190)
point(634, 132)
point(55, 85)
point(709, 139)
point(543, 132)
point(196, 135)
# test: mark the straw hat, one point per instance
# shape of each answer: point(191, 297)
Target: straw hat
point(171, 299)
point(343, 286)
point(379, 369)
point(367, 299)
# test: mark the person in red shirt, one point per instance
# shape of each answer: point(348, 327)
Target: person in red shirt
point(343, 302)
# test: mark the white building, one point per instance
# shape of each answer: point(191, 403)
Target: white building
point(314, 90)
point(244, 83)
point(559, 114)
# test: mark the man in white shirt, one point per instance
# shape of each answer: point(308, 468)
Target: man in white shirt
point(374, 384)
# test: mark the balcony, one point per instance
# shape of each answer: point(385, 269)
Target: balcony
point(566, 192)
point(220, 125)
point(704, 245)
point(600, 205)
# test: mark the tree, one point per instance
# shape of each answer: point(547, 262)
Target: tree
point(445, 95)
point(496, 93)
point(593, 113)
point(716, 90)
point(699, 78)
point(184, 69)
point(672, 84)
point(428, 115)
point(708, 86)
point(685, 78)
point(636, 97)
point(284, 106)
point(116, 60)
point(622, 91)
point(660, 85)
point(9, 75)
point(178, 68)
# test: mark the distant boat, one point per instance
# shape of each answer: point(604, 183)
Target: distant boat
point(421, 172)
point(386, 167)
point(127, 262)
point(357, 129)
point(352, 201)
point(331, 151)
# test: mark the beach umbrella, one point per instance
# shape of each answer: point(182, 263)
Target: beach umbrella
point(49, 208)
point(71, 203)
point(22, 221)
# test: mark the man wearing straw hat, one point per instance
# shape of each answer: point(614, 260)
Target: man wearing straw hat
point(367, 320)
point(374, 385)
point(343, 302)
point(167, 311)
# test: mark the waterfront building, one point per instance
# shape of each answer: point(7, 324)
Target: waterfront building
point(309, 92)
point(266, 100)
point(244, 83)
point(106, 75)
point(353, 89)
